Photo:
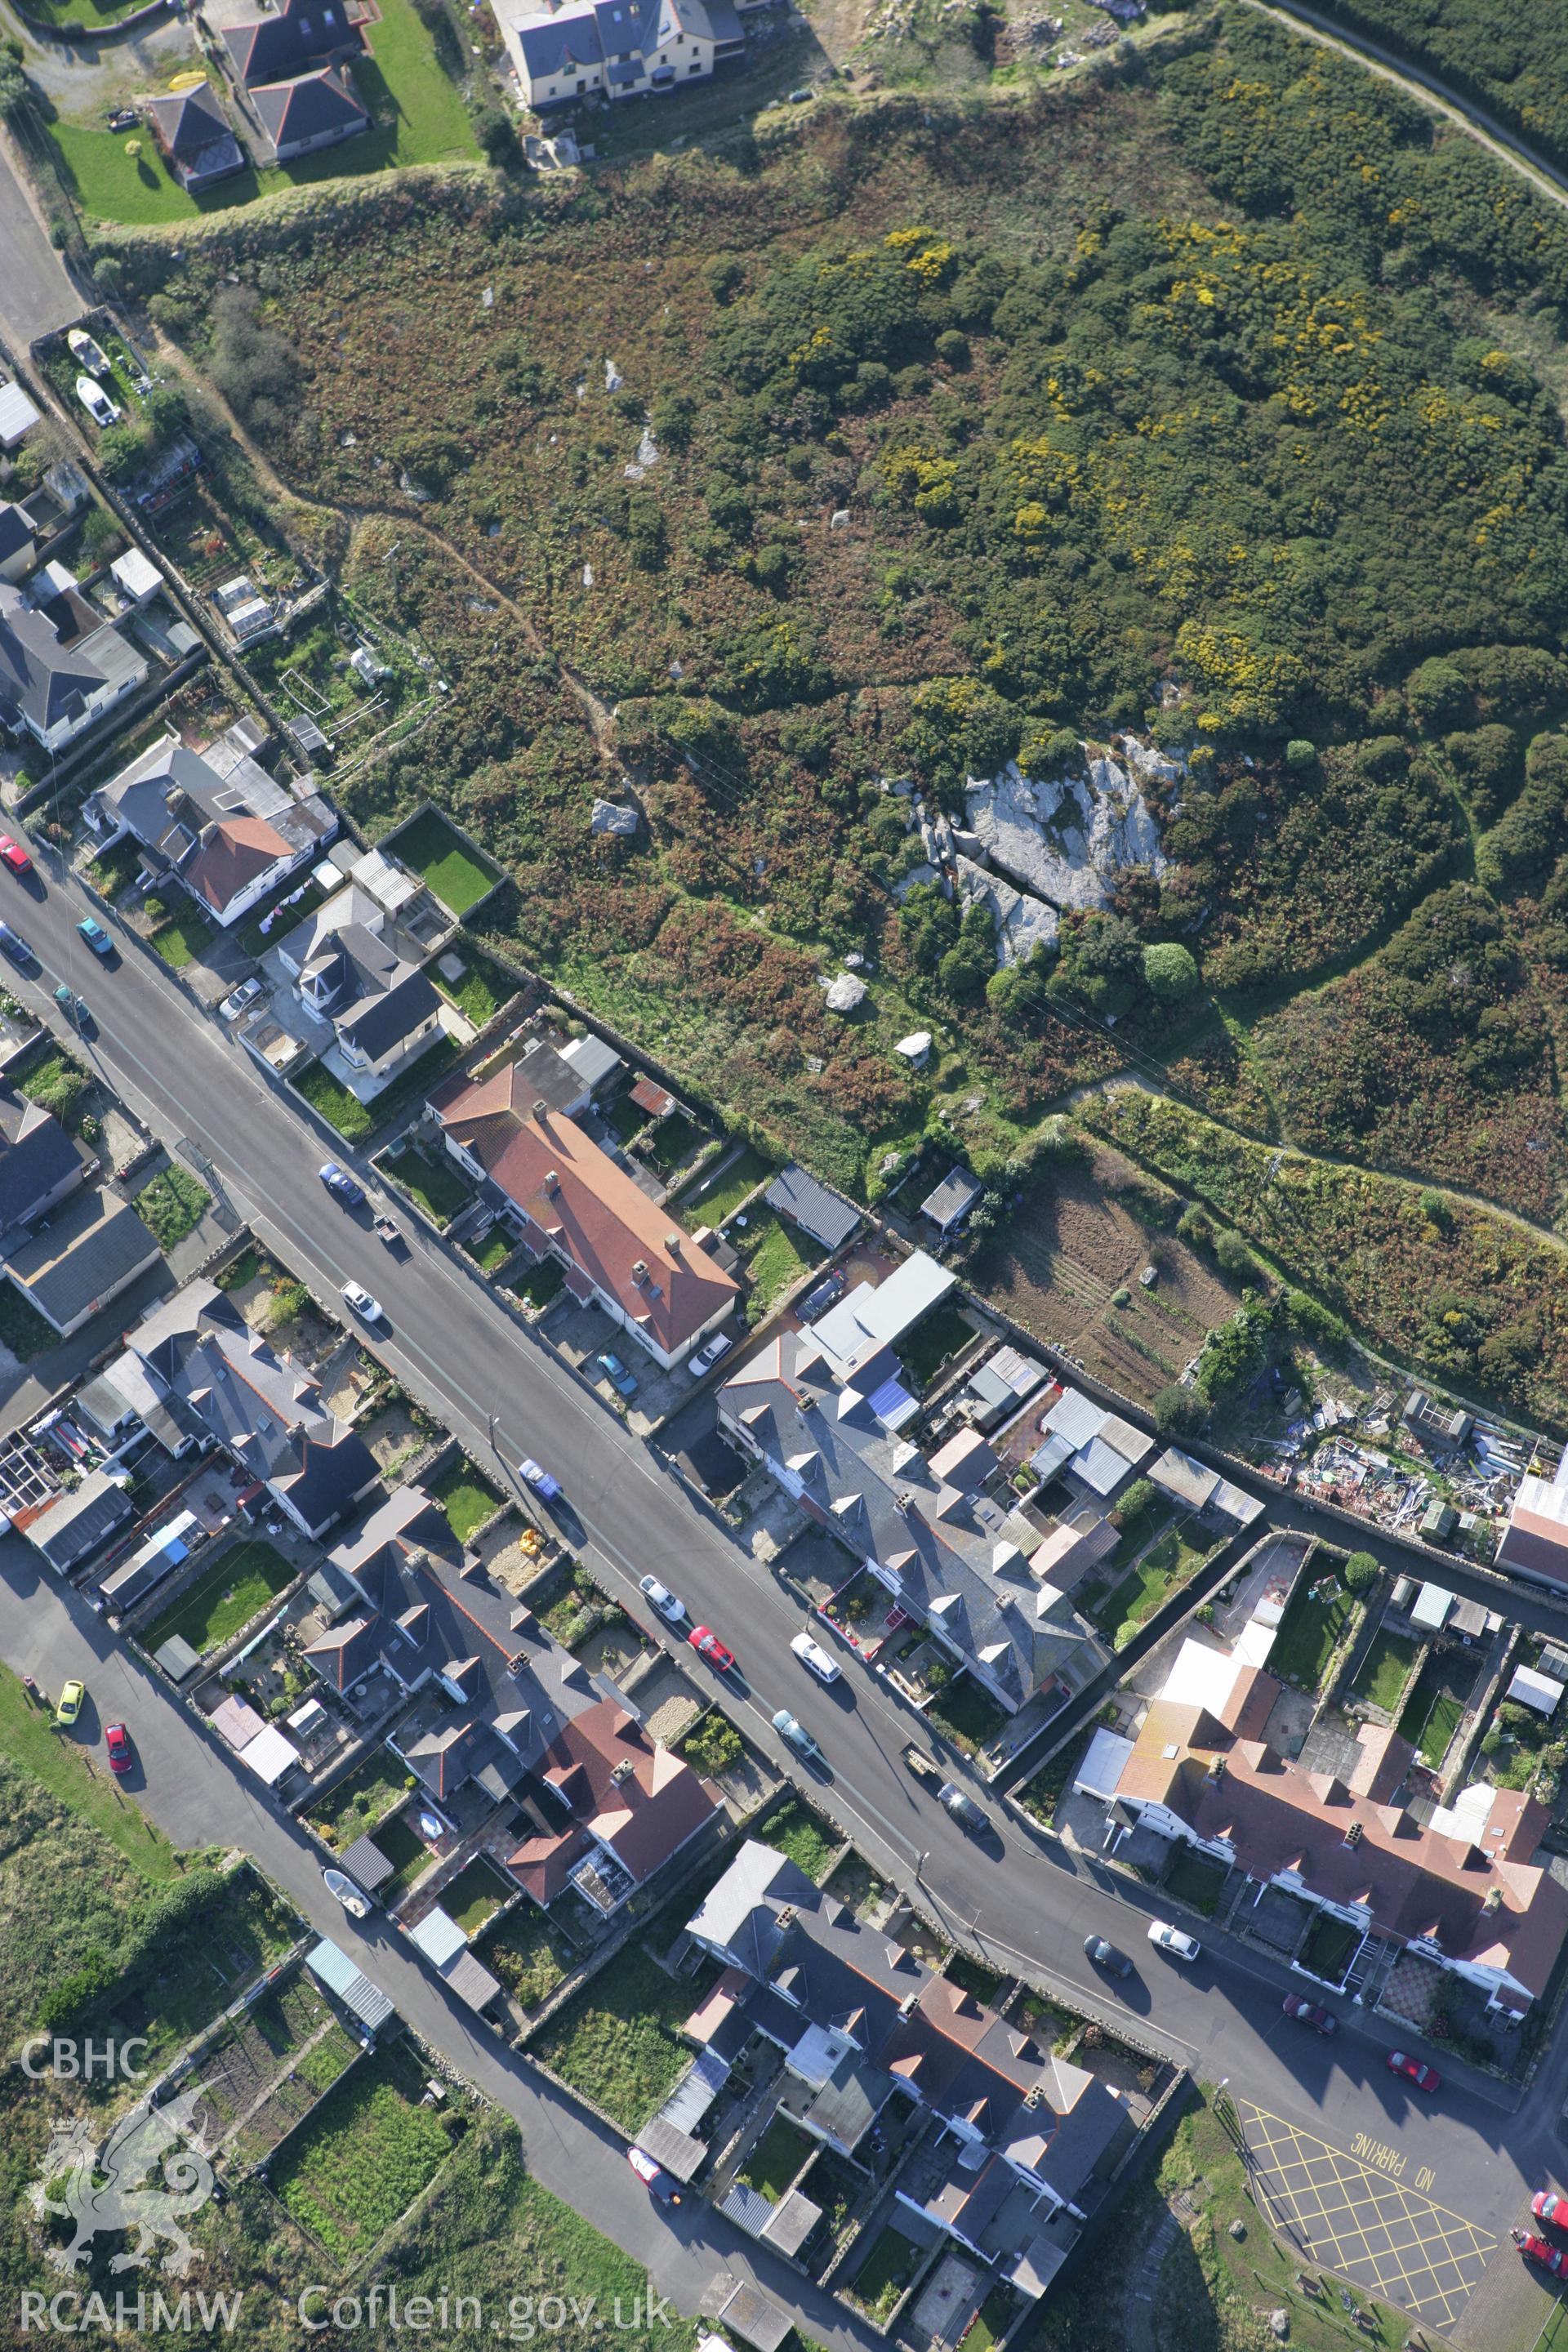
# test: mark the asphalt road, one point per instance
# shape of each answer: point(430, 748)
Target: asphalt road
point(1024, 1901)
point(36, 294)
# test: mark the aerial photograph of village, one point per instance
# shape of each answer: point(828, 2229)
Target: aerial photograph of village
point(784, 1175)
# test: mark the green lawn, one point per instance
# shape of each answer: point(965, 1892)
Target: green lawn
point(886, 2273)
point(340, 1108)
point(355, 1806)
point(1311, 1632)
point(1385, 1670)
point(115, 868)
point(420, 118)
point(363, 2156)
point(435, 1184)
point(429, 845)
point(722, 1194)
point(1330, 1948)
point(536, 1285)
point(672, 1139)
point(1197, 1879)
point(172, 1205)
point(614, 2041)
point(1163, 1568)
point(23, 1331)
point(467, 1499)
point(967, 1713)
point(933, 1343)
point(60, 1085)
point(182, 937)
point(776, 2158)
point(811, 1844)
point(530, 1955)
point(94, 1796)
point(475, 1895)
point(491, 1248)
point(406, 1850)
point(233, 1592)
point(482, 992)
point(776, 1256)
point(992, 2321)
point(1431, 1714)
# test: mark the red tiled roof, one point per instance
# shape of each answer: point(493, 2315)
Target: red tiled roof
point(1415, 1881)
point(589, 1208)
point(233, 854)
point(644, 1817)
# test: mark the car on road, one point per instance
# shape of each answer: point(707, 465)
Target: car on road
point(1173, 1940)
point(544, 1483)
point(76, 1009)
point(790, 1728)
point(1309, 2012)
point(707, 1357)
point(71, 1702)
point(1413, 2070)
point(354, 1899)
point(814, 1659)
point(826, 1294)
point(103, 411)
point(659, 2184)
point(1550, 2205)
point(1103, 1954)
point(1541, 2250)
point(97, 938)
point(357, 1298)
point(117, 1740)
point(237, 999)
point(972, 1818)
point(669, 1604)
point(15, 856)
point(711, 1650)
point(614, 1371)
point(341, 1184)
point(13, 944)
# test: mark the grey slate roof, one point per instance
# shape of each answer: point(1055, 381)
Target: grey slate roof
point(16, 530)
point(197, 1349)
point(954, 1567)
point(293, 111)
point(194, 129)
point(818, 1211)
point(76, 1525)
point(36, 1157)
point(89, 1250)
point(391, 1014)
point(300, 35)
point(40, 680)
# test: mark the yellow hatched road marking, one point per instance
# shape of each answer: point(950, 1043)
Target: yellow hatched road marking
point(1430, 2260)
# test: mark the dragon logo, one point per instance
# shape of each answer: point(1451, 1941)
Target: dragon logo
point(117, 2186)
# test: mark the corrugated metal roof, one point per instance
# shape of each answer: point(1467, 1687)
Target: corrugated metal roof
point(334, 1968)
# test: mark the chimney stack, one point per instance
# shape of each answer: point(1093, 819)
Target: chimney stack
point(551, 1180)
point(639, 1272)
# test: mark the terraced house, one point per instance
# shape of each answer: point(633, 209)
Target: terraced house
point(827, 1429)
point(615, 48)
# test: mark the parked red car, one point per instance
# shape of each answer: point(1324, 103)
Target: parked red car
point(117, 1740)
point(1550, 2205)
point(1310, 2012)
point(1536, 2250)
point(15, 856)
point(708, 1645)
point(1413, 2070)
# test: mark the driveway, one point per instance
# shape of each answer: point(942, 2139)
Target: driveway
point(1025, 1902)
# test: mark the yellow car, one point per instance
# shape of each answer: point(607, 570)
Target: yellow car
point(71, 1699)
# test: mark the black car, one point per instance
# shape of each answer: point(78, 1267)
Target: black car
point(970, 1818)
point(13, 944)
point(1105, 1956)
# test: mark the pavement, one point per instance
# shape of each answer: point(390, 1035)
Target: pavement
point(1023, 1900)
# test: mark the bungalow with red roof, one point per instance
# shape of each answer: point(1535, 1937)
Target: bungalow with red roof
point(568, 1200)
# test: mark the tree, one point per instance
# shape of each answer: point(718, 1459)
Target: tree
point(1179, 1411)
point(1360, 1572)
point(1135, 1501)
point(1170, 972)
point(1301, 752)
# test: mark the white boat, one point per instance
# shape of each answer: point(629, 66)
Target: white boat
point(355, 1902)
point(90, 356)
